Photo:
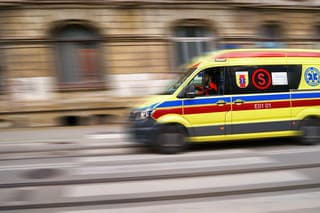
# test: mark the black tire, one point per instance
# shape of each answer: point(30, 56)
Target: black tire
point(310, 131)
point(170, 140)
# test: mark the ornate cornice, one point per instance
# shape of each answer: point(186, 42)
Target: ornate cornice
point(289, 4)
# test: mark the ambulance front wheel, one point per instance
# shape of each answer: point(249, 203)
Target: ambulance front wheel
point(170, 140)
point(310, 131)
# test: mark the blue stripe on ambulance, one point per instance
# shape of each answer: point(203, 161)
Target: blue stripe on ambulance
point(245, 98)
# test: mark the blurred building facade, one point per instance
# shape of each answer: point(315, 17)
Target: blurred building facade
point(83, 62)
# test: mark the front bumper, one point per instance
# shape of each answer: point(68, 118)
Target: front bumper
point(143, 131)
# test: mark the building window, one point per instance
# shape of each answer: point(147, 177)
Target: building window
point(271, 36)
point(190, 42)
point(77, 57)
point(2, 81)
point(317, 37)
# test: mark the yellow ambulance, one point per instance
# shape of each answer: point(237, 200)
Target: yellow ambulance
point(235, 95)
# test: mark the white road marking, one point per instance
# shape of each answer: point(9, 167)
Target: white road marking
point(157, 156)
point(292, 151)
point(107, 143)
point(261, 204)
point(132, 187)
point(173, 165)
point(108, 136)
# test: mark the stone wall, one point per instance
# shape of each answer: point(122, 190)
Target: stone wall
point(136, 48)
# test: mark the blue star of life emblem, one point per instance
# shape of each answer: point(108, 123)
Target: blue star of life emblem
point(312, 76)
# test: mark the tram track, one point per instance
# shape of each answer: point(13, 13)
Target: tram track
point(165, 196)
point(74, 152)
point(169, 167)
point(119, 174)
point(139, 177)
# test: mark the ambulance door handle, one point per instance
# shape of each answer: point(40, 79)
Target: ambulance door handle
point(221, 103)
point(238, 102)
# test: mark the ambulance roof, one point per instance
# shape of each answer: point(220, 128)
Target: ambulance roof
point(239, 54)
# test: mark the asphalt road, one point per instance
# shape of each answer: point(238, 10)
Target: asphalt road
point(99, 169)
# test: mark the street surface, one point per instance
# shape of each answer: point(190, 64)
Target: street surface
point(99, 169)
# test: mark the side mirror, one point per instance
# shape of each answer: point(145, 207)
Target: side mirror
point(190, 92)
point(190, 95)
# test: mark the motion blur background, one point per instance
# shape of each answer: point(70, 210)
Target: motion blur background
point(76, 62)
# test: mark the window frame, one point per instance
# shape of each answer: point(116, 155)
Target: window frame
point(275, 41)
point(175, 40)
point(80, 44)
point(317, 36)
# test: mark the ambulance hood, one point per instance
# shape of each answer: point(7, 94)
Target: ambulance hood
point(151, 102)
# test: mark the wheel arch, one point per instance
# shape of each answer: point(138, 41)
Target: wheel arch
point(174, 120)
point(309, 114)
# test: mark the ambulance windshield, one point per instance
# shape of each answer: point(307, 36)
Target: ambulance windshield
point(174, 85)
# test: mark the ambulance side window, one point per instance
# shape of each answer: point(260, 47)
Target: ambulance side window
point(209, 82)
point(294, 76)
point(262, 78)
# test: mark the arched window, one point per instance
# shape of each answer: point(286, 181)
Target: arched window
point(190, 41)
point(78, 56)
point(271, 35)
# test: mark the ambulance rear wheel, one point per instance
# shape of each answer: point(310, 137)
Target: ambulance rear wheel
point(170, 140)
point(310, 131)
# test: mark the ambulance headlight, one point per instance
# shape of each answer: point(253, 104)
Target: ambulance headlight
point(141, 115)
